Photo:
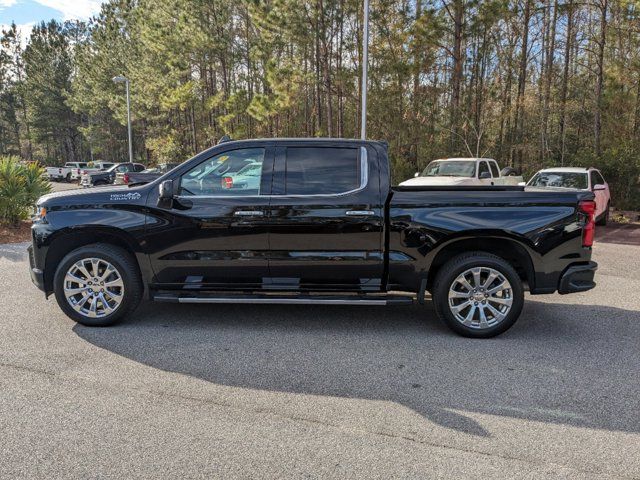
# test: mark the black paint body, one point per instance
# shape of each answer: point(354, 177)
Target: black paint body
point(310, 243)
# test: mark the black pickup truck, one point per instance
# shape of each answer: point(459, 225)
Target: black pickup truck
point(318, 224)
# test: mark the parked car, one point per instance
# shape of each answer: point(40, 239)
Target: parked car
point(464, 171)
point(95, 167)
point(577, 178)
point(93, 179)
point(323, 226)
point(145, 176)
point(69, 172)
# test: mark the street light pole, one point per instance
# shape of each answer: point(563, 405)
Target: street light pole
point(365, 64)
point(125, 80)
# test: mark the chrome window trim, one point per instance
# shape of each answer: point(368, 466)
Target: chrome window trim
point(364, 180)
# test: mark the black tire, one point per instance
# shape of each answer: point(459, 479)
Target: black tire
point(604, 218)
point(68, 178)
point(126, 266)
point(446, 277)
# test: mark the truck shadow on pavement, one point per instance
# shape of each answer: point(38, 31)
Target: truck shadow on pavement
point(564, 364)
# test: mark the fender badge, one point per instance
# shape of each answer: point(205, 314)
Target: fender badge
point(125, 196)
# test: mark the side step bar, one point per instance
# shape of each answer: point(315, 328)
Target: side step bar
point(284, 299)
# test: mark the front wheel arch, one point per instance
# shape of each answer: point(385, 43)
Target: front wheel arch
point(66, 241)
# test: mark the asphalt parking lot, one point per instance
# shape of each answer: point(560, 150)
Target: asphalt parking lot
point(323, 392)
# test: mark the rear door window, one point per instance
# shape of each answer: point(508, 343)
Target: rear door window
point(321, 170)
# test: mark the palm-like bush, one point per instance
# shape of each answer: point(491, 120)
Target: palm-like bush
point(20, 187)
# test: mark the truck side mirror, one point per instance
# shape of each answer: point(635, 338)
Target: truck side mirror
point(484, 175)
point(416, 175)
point(522, 184)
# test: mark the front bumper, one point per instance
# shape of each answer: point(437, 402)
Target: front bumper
point(37, 275)
point(578, 278)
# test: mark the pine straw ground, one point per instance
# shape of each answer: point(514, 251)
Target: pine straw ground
point(15, 234)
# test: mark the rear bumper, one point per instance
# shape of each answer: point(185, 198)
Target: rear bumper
point(577, 278)
point(37, 275)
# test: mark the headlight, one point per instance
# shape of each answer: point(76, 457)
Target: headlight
point(39, 214)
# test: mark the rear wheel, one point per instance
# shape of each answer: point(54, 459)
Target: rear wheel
point(98, 284)
point(478, 295)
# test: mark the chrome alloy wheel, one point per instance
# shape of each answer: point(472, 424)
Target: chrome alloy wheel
point(93, 287)
point(480, 297)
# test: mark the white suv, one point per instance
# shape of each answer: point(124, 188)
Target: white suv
point(577, 178)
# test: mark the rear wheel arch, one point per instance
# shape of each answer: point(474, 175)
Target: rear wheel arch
point(508, 249)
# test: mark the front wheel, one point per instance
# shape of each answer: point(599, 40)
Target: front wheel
point(478, 295)
point(98, 284)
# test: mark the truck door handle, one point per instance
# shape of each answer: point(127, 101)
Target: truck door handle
point(248, 213)
point(359, 213)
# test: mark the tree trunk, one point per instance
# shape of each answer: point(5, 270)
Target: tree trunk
point(456, 77)
point(522, 79)
point(565, 78)
point(551, 47)
point(597, 124)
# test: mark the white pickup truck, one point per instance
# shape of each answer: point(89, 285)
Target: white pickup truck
point(464, 171)
point(73, 171)
point(69, 172)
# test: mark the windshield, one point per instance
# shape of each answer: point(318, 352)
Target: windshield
point(450, 168)
point(559, 179)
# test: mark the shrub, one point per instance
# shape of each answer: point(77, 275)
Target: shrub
point(20, 187)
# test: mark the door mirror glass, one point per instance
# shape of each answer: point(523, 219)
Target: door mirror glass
point(484, 175)
point(166, 190)
point(599, 186)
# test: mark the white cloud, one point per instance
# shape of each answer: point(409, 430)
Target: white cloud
point(7, 3)
point(71, 9)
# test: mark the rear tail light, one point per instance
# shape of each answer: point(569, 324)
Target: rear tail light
point(125, 178)
point(588, 207)
point(227, 182)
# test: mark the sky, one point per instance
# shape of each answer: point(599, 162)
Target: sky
point(26, 13)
